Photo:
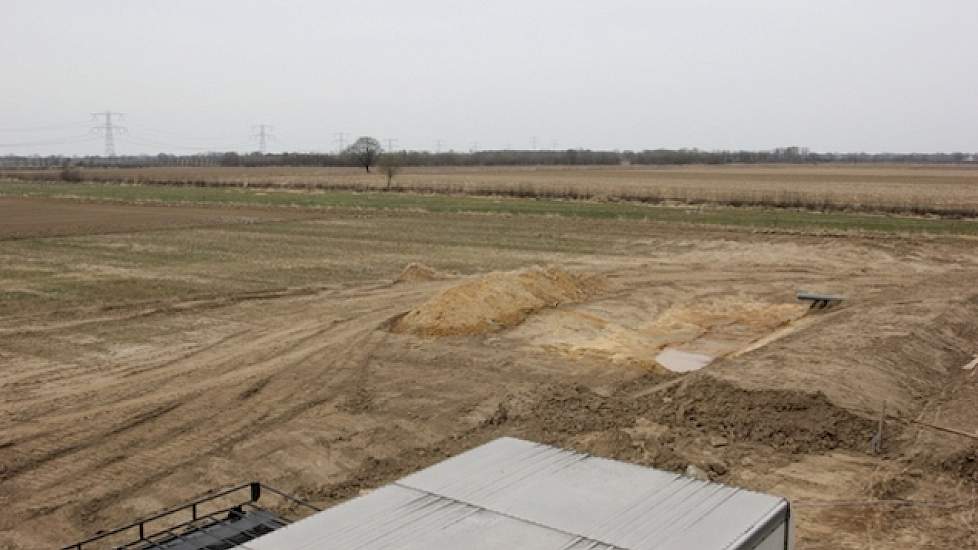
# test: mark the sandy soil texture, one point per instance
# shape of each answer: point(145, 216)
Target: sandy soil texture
point(494, 301)
point(142, 369)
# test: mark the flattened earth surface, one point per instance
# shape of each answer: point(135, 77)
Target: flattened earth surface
point(132, 408)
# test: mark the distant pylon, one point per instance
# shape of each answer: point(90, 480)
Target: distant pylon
point(339, 140)
point(108, 129)
point(263, 133)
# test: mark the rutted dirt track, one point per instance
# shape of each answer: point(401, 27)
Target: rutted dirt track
point(316, 392)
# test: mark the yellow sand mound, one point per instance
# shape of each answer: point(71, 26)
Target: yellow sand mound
point(628, 331)
point(417, 272)
point(724, 311)
point(495, 301)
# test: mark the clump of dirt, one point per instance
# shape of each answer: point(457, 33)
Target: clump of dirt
point(892, 486)
point(495, 301)
point(416, 272)
point(615, 443)
point(963, 463)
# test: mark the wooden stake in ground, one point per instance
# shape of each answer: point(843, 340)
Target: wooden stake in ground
point(878, 438)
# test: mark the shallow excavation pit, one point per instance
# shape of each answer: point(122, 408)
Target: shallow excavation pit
point(683, 337)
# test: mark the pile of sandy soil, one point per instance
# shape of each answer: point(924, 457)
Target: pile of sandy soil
point(621, 331)
point(416, 272)
point(495, 301)
point(728, 310)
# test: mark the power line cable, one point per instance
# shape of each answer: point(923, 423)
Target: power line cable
point(28, 129)
point(147, 142)
point(58, 141)
point(166, 133)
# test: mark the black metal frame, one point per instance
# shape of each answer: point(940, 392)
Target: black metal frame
point(197, 522)
point(819, 301)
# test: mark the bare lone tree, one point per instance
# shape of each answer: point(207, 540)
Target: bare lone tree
point(390, 165)
point(365, 150)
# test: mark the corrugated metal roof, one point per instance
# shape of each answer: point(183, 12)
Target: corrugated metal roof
point(512, 493)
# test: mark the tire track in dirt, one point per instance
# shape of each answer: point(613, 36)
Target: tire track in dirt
point(312, 392)
point(296, 369)
point(122, 385)
point(191, 441)
point(149, 309)
point(130, 400)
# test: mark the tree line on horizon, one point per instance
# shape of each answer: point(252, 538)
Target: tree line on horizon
point(354, 156)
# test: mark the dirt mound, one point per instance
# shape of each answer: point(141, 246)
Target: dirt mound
point(728, 310)
point(668, 429)
point(417, 272)
point(495, 301)
point(790, 421)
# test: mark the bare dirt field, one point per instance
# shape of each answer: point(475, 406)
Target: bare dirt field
point(934, 189)
point(25, 218)
point(335, 350)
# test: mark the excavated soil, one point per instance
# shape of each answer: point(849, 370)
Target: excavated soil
point(660, 430)
point(790, 420)
point(702, 328)
point(495, 301)
point(114, 409)
point(416, 272)
point(794, 422)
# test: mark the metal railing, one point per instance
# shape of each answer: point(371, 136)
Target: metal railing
point(145, 535)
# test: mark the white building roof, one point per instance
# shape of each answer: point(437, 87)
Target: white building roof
point(512, 493)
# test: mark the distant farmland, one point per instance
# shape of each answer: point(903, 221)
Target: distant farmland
point(950, 191)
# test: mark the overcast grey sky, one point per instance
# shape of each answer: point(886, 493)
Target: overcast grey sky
point(833, 75)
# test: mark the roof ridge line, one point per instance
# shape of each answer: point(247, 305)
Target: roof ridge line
point(579, 536)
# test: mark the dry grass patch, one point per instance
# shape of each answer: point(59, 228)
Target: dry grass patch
point(930, 189)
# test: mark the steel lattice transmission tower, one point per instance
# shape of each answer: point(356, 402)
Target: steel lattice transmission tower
point(263, 134)
point(108, 129)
